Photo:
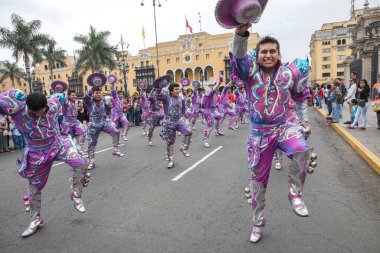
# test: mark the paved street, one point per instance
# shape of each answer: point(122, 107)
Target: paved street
point(134, 206)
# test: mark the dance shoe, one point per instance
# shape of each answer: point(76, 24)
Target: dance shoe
point(256, 234)
point(298, 205)
point(278, 166)
point(150, 143)
point(206, 144)
point(184, 151)
point(219, 133)
point(171, 164)
point(117, 152)
point(125, 138)
point(144, 133)
point(33, 226)
point(78, 203)
point(91, 166)
point(193, 128)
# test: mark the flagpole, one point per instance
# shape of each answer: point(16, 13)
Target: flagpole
point(143, 36)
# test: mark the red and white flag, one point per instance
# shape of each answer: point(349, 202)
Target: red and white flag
point(188, 26)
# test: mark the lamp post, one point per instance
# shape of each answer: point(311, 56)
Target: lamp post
point(123, 65)
point(201, 77)
point(155, 29)
point(29, 77)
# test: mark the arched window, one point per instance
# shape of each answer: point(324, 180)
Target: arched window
point(58, 66)
point(339, 42)
point(46, 68)
point(343, 41)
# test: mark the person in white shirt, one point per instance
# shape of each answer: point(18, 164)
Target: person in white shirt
point(350, 95)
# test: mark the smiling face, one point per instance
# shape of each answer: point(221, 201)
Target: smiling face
point(268, 56)
point(73, 96)
point(175, 92)
point(97, 95)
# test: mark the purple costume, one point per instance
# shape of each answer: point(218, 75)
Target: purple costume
point(241, 107)
point(44, 145)
point(99, 121)
point(117, 114)
point(156, 114)
point(175, 110)
point(210, 113)
point(225, 108)
point(145, 110)
point(196, 100)
point(268, 103)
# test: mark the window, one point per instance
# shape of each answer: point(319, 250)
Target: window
point(105, 87)
point(221, 73)
point(340, 65)
point(339, 42)
point(167, 61)
point(200, 45)
point(325, 43)
point(341, 57)
point(142, 64)
point(326, 50)
point(85, 88)
point(133, 65)
point(327, 66)
point(59, 76)
point(341, 48)
point(46, 68)
point(55, 77)
point(220, 55)
point(43, 79)
point(58, 66)
point(325, 74)
point(197, 57)
point(177, 59)
point(147, 63)
point(207, 56)
point(67, 75)
point(340, 73)
point(327, 58)
point(24, 84)
point(343, 41)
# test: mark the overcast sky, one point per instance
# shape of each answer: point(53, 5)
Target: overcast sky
point(292, 22)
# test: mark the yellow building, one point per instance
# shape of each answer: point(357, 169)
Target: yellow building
point(7, 83)
point(329, 48)
point(196, 56)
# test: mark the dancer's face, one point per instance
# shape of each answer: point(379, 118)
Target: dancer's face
point(97, 95)
point(120, 96)
point(268, 56)
point(175, 92)
point(73, 96)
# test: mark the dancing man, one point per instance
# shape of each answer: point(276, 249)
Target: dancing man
point(145, 109)
point(97, 111)
point(117, 114)
point(225, 108)
point(196, 100)
point(37, 119)
point(175, 111)
point(155, 116)
point(269, 86)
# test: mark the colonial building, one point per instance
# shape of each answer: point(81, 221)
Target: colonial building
point(365, 45)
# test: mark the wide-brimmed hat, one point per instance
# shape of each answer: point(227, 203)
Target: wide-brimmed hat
point(96, 79)
point(59, 86)
point(185, 81)
point(240, 84)
point(112, 79)
point(232, 13)
point(162, 81)
point(196, 84)
point(142, 85)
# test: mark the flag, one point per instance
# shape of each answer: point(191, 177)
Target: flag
point(188, 26)
point(143, 32)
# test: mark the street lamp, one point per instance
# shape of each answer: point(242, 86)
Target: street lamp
point(201, 77)
point(155, 29)
point(123, 65)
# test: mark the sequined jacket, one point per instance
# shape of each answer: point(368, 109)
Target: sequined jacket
point(174, 108)
point(97, 112)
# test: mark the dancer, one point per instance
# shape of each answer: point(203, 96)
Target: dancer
point(96, 107)
point(145, 105)
point(174, 120)
point(155, 116)
point(37, 120)
point(117, 114)
point(196, 100)
point(225, 108)
point(241, 104)
point(210, 112)
point(269, 86)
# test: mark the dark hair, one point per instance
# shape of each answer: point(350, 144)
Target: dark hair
point(96, 88)
point(221, 88)
point(354, 101)
point(329, 86)
point(200, 89)
point(354, 73)
point(265, 40)
point(365, 81)
point(172, 86)
point(70, 91)
point(36, 101)
point(120, 92)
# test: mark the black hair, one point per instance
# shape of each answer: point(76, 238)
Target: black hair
point(70, 91)
point(365, 81)
point(36, 101)
point(354, 101)
point(172, 86)
point(221, 88)
point(354, 73)
point(120, 92)
point(96, 88)
point(200, 89)
point(329, 86)
point(265, 40)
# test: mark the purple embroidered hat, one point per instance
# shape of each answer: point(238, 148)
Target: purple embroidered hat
point(162, 81)
point(112, 79)
point(196, 84)
point(142, 85)
point(232, 13)
point(185, 81)
point(59, 86)
point(96, 80)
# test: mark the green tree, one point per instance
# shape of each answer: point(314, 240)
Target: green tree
point(25, 40)
point(11, 71)
point(96, 53)
point(53, 55)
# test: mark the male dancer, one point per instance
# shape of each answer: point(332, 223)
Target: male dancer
point(96, 107)
point(196, 100)
point(36, 118)
point(174, 108)
point(117, 114)
point(70, 123)
point(225, 107)
point(210, 113)
point(269, 86)
point(156, 114)
point(145, 108)
point(241, 106)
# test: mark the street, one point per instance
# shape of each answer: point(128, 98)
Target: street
point(134, 205)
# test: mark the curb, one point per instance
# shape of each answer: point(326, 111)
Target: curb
point(372, 159)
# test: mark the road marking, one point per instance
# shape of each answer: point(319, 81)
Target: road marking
point(97, 152)
point(196, 164)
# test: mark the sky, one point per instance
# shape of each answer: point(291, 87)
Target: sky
point(292, 22)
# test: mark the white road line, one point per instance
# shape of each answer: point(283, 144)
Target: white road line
point(196, 164)
point(100, 151)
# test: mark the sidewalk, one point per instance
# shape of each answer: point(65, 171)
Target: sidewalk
point(365, 142)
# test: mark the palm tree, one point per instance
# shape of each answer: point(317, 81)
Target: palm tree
point(11, 71)
point(96, 53)
point(24, 40)
point(53, 56)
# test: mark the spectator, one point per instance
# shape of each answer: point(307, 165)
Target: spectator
point(350, 96)
point(376, 91)
point(362, 95)
point(16, 135)
point(328, 100)
point(319, 96)
point(336, 99)
point(3, 134)
point(137, 112)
